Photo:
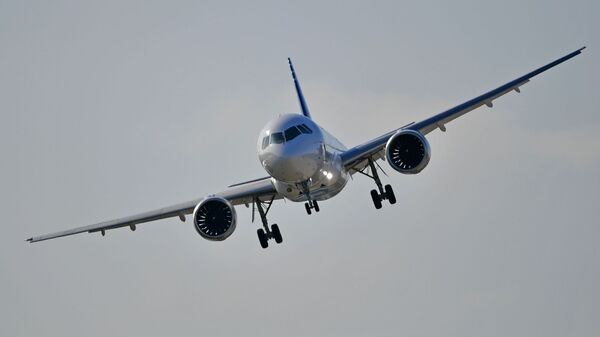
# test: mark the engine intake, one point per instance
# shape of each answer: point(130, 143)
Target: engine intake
point(214, 218)
point(408, 152)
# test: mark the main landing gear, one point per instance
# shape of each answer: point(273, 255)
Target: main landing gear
point(265, 234)
point(381, 193)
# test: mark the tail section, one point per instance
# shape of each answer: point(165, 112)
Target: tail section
point(303, 105)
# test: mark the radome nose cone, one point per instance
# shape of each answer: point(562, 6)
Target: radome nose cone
point(293, 165)
point(294, 169)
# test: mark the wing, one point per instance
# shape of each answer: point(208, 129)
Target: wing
point(356, 158)
point(243, 193)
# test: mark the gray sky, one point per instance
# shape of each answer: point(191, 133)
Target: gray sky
point(111, 108)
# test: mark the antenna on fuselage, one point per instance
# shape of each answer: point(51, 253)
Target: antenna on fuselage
point(303, 105)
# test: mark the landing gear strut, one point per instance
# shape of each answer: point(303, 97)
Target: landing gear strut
point(310, 204)
point(382, 193)
point(265, 234)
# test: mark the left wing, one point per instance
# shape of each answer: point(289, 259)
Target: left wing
point(356, 158)
point(243, 193)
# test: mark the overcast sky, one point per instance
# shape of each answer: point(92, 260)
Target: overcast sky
point(109, 108)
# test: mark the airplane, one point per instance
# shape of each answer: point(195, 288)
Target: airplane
point(307, 164)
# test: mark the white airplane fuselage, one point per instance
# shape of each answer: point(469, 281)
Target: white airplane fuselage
point(301, 157)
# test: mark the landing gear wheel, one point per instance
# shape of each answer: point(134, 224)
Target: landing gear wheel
point(316, 206)
point(389, 193)
point(262, 238)
point(276, 233)
point(376, 199)
point(308, 211)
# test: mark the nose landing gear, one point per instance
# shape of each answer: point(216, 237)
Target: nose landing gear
point(310, 204)
point(266, 233)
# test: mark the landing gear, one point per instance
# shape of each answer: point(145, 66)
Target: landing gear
point(310, 204)
point(266, 233)
point(262, 238)
point(389, 192)
point(380, 193)
point(308, 208)
point(276, 233)
point(376, 199)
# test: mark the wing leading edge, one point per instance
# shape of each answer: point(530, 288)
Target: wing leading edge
point(237, 194)
point(356, 157)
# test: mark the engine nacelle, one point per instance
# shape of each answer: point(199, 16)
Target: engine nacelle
point(214, 218)
point(408, 151)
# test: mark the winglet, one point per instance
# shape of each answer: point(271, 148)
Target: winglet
point(303, 105)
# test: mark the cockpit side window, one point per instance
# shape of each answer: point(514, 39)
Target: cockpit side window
point(265, 142)
point(304, 128)
point(277, 138)
point(291, 133)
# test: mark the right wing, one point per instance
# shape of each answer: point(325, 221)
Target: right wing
point(355, 159)
point(243, 193)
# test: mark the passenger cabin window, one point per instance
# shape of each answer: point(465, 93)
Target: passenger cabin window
point(265, 142)
point(291, 133)
point(277, 138)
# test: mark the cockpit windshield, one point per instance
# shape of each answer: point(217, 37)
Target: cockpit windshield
point(277, 138)
point(289, 134)
point(304, 128)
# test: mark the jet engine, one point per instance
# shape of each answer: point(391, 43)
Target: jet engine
point(214, 218)
point(408, 152)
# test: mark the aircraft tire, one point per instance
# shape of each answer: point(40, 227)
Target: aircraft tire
point(276, 233)
point(376, 199)
point(389, 192)
point(262, 238)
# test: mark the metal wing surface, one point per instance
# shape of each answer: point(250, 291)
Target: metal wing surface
point(242, 193)
point(356, 158)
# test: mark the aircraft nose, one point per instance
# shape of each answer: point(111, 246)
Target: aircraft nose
point(294, 164)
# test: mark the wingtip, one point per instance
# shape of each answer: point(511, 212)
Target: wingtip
point(30, 240)
point(582, 48)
